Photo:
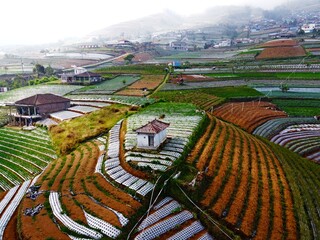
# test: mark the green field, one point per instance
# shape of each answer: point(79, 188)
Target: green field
point(299, 108)
point(183, 109)
point(23, 155)
point(233, 92)
point(134, 69)
point(24, 92)
point(110, 86)
point(197, 97)
point(69, 134)
point(302, 95)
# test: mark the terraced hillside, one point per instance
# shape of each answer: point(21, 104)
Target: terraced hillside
point(257, 188)
point(183, 119)
point(81, 199)
point(243, 183)
point(301, 135)
point(169, 220)
point(248, 115)
point(94, 196)
point(272, 127)
point(303, 139)
point(23, 155)
point(202, 100)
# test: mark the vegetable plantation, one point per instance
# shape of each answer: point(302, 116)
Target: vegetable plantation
point(243, 183)
point(23, 155)
point(248, 115)
point(24, 92)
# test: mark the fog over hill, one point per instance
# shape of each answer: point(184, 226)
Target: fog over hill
point(169, 20)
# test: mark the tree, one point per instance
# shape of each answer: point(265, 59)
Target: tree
point(284, 88)
point(129, 58)
point(49, 71)
point(39, 69)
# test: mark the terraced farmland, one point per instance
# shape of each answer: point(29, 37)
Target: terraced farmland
point(179, 132)
point(24, 92)
point(274, 126)
point(248, 115)
point(303, 176)
point(92, 207)
point(245, 184)
point(168, 220)
point(23, 155)
point(303, 139)
point(142, 87)
point(108, 86)
point(3, 116)
point(300, 135)
point(200, 99)
point(127, 100)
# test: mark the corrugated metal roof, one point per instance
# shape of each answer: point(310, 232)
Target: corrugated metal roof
point(153, 127)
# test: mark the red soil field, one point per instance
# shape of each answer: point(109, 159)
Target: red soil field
point(2, 194)
point(62, 173)
point(132, 92)
point(201, 142)
point(78, 170)
point(41, 227)
point(282, 52)
point(142, 57)
point(204, 157)
point(190, 78)
point(149, 82)
point(248, 115)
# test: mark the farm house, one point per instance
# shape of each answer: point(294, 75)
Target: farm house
point(151, 135)
point(36, 107)
point(81, 76)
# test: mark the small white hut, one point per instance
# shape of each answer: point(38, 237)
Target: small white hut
point(151, 135)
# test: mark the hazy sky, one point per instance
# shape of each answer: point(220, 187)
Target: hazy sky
point(36, 21)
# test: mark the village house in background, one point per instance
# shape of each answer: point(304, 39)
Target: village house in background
point(80, 76)
point(37, 107)
point(151, 135)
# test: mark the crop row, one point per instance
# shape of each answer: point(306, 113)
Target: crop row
point(128, 100)
point(274, 126)
point(303, 139)
point(168, 220)
point(245, 185)
point(23, 155)
point(81, 189)
point(303, 176)
point(248, 115)
point(200, 99)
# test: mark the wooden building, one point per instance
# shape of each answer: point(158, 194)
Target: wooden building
point(152, 135)
point(36, 107)
point(81, 76)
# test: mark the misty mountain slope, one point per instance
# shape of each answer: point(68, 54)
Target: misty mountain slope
point(165, 21)
point(306, 5)
point(168, 21)
point(234, 15)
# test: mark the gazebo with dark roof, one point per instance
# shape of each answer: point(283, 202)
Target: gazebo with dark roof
point(151, 135)
point(36, 107)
